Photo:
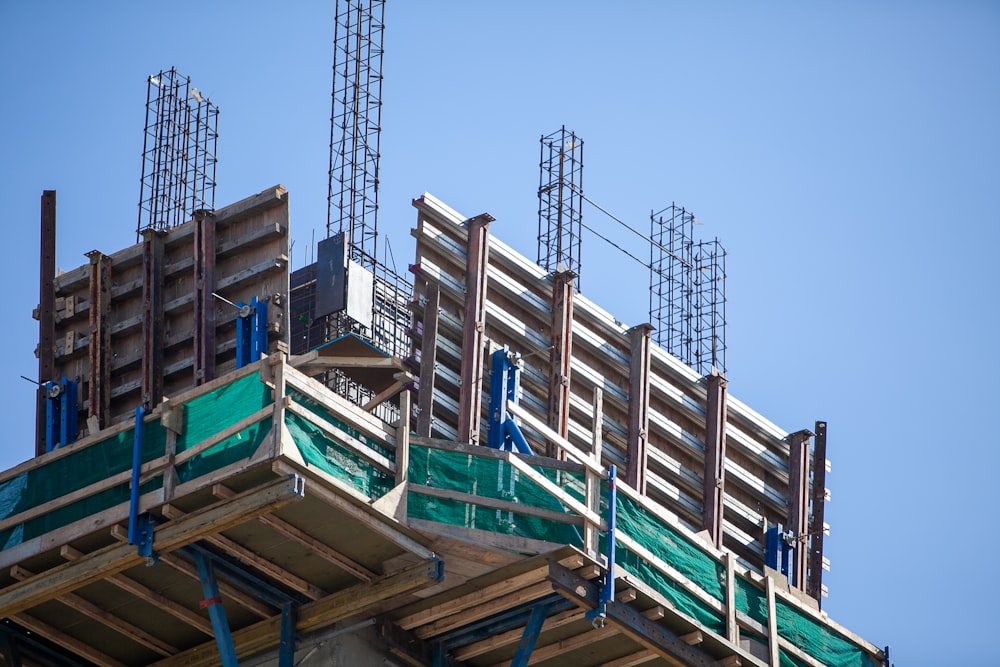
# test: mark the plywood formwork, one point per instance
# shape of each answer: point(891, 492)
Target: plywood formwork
point(669, 434)
point(127, 324)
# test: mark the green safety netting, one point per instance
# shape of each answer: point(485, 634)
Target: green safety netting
point(819, 641)
point(489, 477)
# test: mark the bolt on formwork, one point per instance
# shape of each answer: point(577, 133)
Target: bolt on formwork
point(178, 152)
point(560, 201)
point(687, 291)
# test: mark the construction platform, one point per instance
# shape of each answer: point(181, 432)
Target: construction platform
point(251, 513)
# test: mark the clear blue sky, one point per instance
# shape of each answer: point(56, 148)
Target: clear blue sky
point(845, 153)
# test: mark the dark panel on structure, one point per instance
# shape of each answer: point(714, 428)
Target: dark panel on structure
point(814, 586)
point(331, 275)
point(715, 456)
point(46, 311)
point(638, 405)
point(477, 259)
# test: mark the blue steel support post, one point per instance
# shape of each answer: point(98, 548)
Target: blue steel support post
point(67, 412)
point(259, 343)
point(530, 635)
point(286, 647)
point(216, 612)
point(607, 592)
point(140, 527)
point(505, 385)
point(51, 415)
point(251, 332)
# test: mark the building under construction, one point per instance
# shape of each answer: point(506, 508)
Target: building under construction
point(473, 464)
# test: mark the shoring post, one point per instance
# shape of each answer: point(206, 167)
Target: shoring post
point(505, 385)
point(530, 635)
point(607, 593)
point(216, 612)
point(286, 646)
point(140, 527)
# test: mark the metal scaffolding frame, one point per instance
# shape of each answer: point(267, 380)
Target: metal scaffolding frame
point(687, 291)
point(560, 202)
point(178, 153)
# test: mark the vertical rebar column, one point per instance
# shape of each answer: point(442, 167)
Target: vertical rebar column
point(178, 153)
point(560, 202)
point(355, 118)
point(687, 291)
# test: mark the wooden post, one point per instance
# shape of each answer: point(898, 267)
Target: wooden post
point(638, 406)
point(403, 438)
point(428, 360)
point(798, 503)
point(204, 306)
point(46, 311)
point(732, 629)
point(773, 648)
point(560, 356)
point(591, 533)
point(814, 587)
point(473, 354)
point(99, 394)
point(713, 498)
point(152, 320)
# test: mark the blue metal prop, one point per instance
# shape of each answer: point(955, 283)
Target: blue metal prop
point(61, 409)
point(251, 332)
point(530, 635)
point(607, 593)
point(505, 385)
point(286, 646)
point(780, 550)
point(140, 526)
point(216, 612)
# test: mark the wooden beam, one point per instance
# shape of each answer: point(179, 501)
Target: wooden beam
point(46, 311)
point(560, 356)
point(68, 642)
point(638, 406)
point(254, 560)
point(798, 503)
point(814, 582)
point(106, 618)
point(248, 601)
point(317, 614)
point(497, 641)
point(114, 559)
point(204, 301)
point(714, 474)
point(428, 359)
point(321, 549)
point(474, 327)
point(99, 340)
point(152, 318)
point(637, 658)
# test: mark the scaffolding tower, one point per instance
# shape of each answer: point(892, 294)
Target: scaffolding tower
point(178, 152)
point(560, 201)
point(687, 291)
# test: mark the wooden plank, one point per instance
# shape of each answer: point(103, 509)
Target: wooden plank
point(117, 558)
point(500, 640)
point(317, 614)
point(343, 438)
point(579, 456)
point(637, 658)
point(484, 609)
point(370, 425)
point(248, 601)
point(104, 617)
point(773, 652)
point(72, 644)
point(554, 490)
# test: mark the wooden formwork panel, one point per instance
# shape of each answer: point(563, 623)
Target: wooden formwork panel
point(250, 260)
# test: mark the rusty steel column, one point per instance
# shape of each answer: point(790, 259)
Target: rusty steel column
point(814, 586)
point(204, 307)
point(46, 311)
point(471, 390)
point(152, 318)
point(428, 360)
point(99, 340)
point(798, 502)
point(560, 355)
point(638, 406)
point(715, 457)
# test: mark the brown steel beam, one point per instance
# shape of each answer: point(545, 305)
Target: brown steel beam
point(798, 501)
point(563, 288)
point(152, 318)
point(471, 390)
point(638, 405)
point(428, 360)
point(46, 311)
point(715, 457)
point(99, 341)
point(814, 586)
point(204, 307)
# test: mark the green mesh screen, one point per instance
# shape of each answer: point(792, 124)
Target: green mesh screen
point(818, 641)
point(325, 414)
point(71, 473)
point(751, 601)
point(489, 478)
point(331, 457)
